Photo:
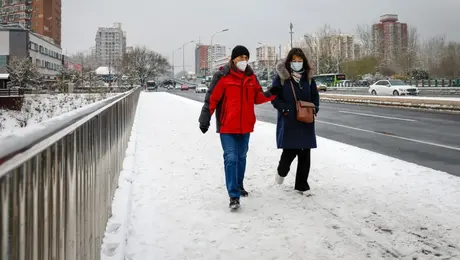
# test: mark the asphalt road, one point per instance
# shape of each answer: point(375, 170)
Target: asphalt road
point(427, 138)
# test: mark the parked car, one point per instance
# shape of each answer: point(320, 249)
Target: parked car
point(392, 87)
point(201, 88)
point(321, 86)
point(184, 87)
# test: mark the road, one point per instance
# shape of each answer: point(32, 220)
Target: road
point(431, 139)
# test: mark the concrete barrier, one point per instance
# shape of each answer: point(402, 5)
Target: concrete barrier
point(438, 103)
point(441, 91)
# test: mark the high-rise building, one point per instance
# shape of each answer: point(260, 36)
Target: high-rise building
point(201, 59)
point(40, 16)
point(266, 55)
point(110, 45)
point(389, 36)
point(216, 52)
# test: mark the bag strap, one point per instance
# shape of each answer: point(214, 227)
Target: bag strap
point(293, 91)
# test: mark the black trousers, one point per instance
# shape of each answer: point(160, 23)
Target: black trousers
point(303, 166)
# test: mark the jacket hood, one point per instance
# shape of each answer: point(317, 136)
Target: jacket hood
point(283, 73)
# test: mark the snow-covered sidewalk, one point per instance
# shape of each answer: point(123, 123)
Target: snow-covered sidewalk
point(365, 205)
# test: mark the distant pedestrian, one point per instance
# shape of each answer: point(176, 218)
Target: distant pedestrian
point(232, 94)
point(295, 137)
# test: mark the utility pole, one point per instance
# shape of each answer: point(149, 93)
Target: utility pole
point(110, 68)
point(280, 52)
point(291, 32)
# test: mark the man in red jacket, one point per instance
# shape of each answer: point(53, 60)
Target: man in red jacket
point(232, 94)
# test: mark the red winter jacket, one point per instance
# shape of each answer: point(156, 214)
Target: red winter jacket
point(233, 94)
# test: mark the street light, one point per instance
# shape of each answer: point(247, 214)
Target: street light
point(174, 75)
point(212, 49)
point(183, 55)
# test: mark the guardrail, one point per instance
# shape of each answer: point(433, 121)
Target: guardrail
point(424, 90)
point(56, 185)
point(11, 92)
point(445, 104)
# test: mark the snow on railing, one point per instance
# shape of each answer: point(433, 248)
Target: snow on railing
point(57, 184)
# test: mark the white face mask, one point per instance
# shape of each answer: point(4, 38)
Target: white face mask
point(241, 65)
point(296, 65)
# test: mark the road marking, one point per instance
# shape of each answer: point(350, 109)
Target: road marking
point(393, 136)
point(371, 115)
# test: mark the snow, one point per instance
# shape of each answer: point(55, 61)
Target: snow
point(41, 107)
point(402, 97)
point(364, 205)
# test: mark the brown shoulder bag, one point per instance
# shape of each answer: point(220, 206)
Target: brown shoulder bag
point(305, 110)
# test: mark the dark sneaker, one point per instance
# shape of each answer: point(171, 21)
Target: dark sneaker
point(234, 203)
point(243, 192)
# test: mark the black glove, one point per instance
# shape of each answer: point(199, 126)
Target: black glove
point(284, 111)
point(275, 90)
point(204, 129)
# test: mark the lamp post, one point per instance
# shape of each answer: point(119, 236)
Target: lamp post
point(183, 55)
point(212, 49)
point(173, 66)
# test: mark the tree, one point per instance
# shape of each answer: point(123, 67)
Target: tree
point(407, 57)
point(356, 69)
point(145, 64)
point(432, 53)
point(23, 72)
point(325, 49)
point(88, 62)
point(366, 40)
point(450, 61)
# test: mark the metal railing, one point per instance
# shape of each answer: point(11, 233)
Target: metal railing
point(11, 92)
point(56, 189)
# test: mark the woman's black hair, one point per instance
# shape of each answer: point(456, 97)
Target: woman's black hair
point(306, 65)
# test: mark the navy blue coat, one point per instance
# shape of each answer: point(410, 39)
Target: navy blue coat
point(291, 133)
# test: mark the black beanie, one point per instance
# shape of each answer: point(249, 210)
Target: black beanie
point(238, 51)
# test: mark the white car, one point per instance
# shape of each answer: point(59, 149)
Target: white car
point(392, 87)
point(201, 88)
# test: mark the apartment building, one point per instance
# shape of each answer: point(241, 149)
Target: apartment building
point(39, 16)
point(216, 52)
point(110, 45)
point(389, 36)
point(201, 59)
point(266, 55)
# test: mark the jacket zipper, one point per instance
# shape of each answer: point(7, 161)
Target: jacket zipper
point(241, 110)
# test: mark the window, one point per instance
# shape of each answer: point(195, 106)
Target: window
point(397, 83)
point(3, 60)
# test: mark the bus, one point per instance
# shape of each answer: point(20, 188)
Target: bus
point(151, 85)
point(330, 79)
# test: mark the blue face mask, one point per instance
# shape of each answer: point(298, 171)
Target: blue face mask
point(296, 65)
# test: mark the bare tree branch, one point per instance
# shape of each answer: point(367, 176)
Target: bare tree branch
point(144, 64)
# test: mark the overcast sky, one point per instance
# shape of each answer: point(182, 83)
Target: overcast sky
point(165, 25)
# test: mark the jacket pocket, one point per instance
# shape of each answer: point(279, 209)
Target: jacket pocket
point(223, 111)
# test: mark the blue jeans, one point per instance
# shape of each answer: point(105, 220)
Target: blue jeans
point(235, 148)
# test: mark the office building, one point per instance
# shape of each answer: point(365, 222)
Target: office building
point(20, 42)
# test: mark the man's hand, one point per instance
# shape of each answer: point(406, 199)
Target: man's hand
point(275, 90)
point(284, 111)
point(204, 129)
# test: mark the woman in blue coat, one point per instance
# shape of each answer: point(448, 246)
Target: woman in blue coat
point(294, 137)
